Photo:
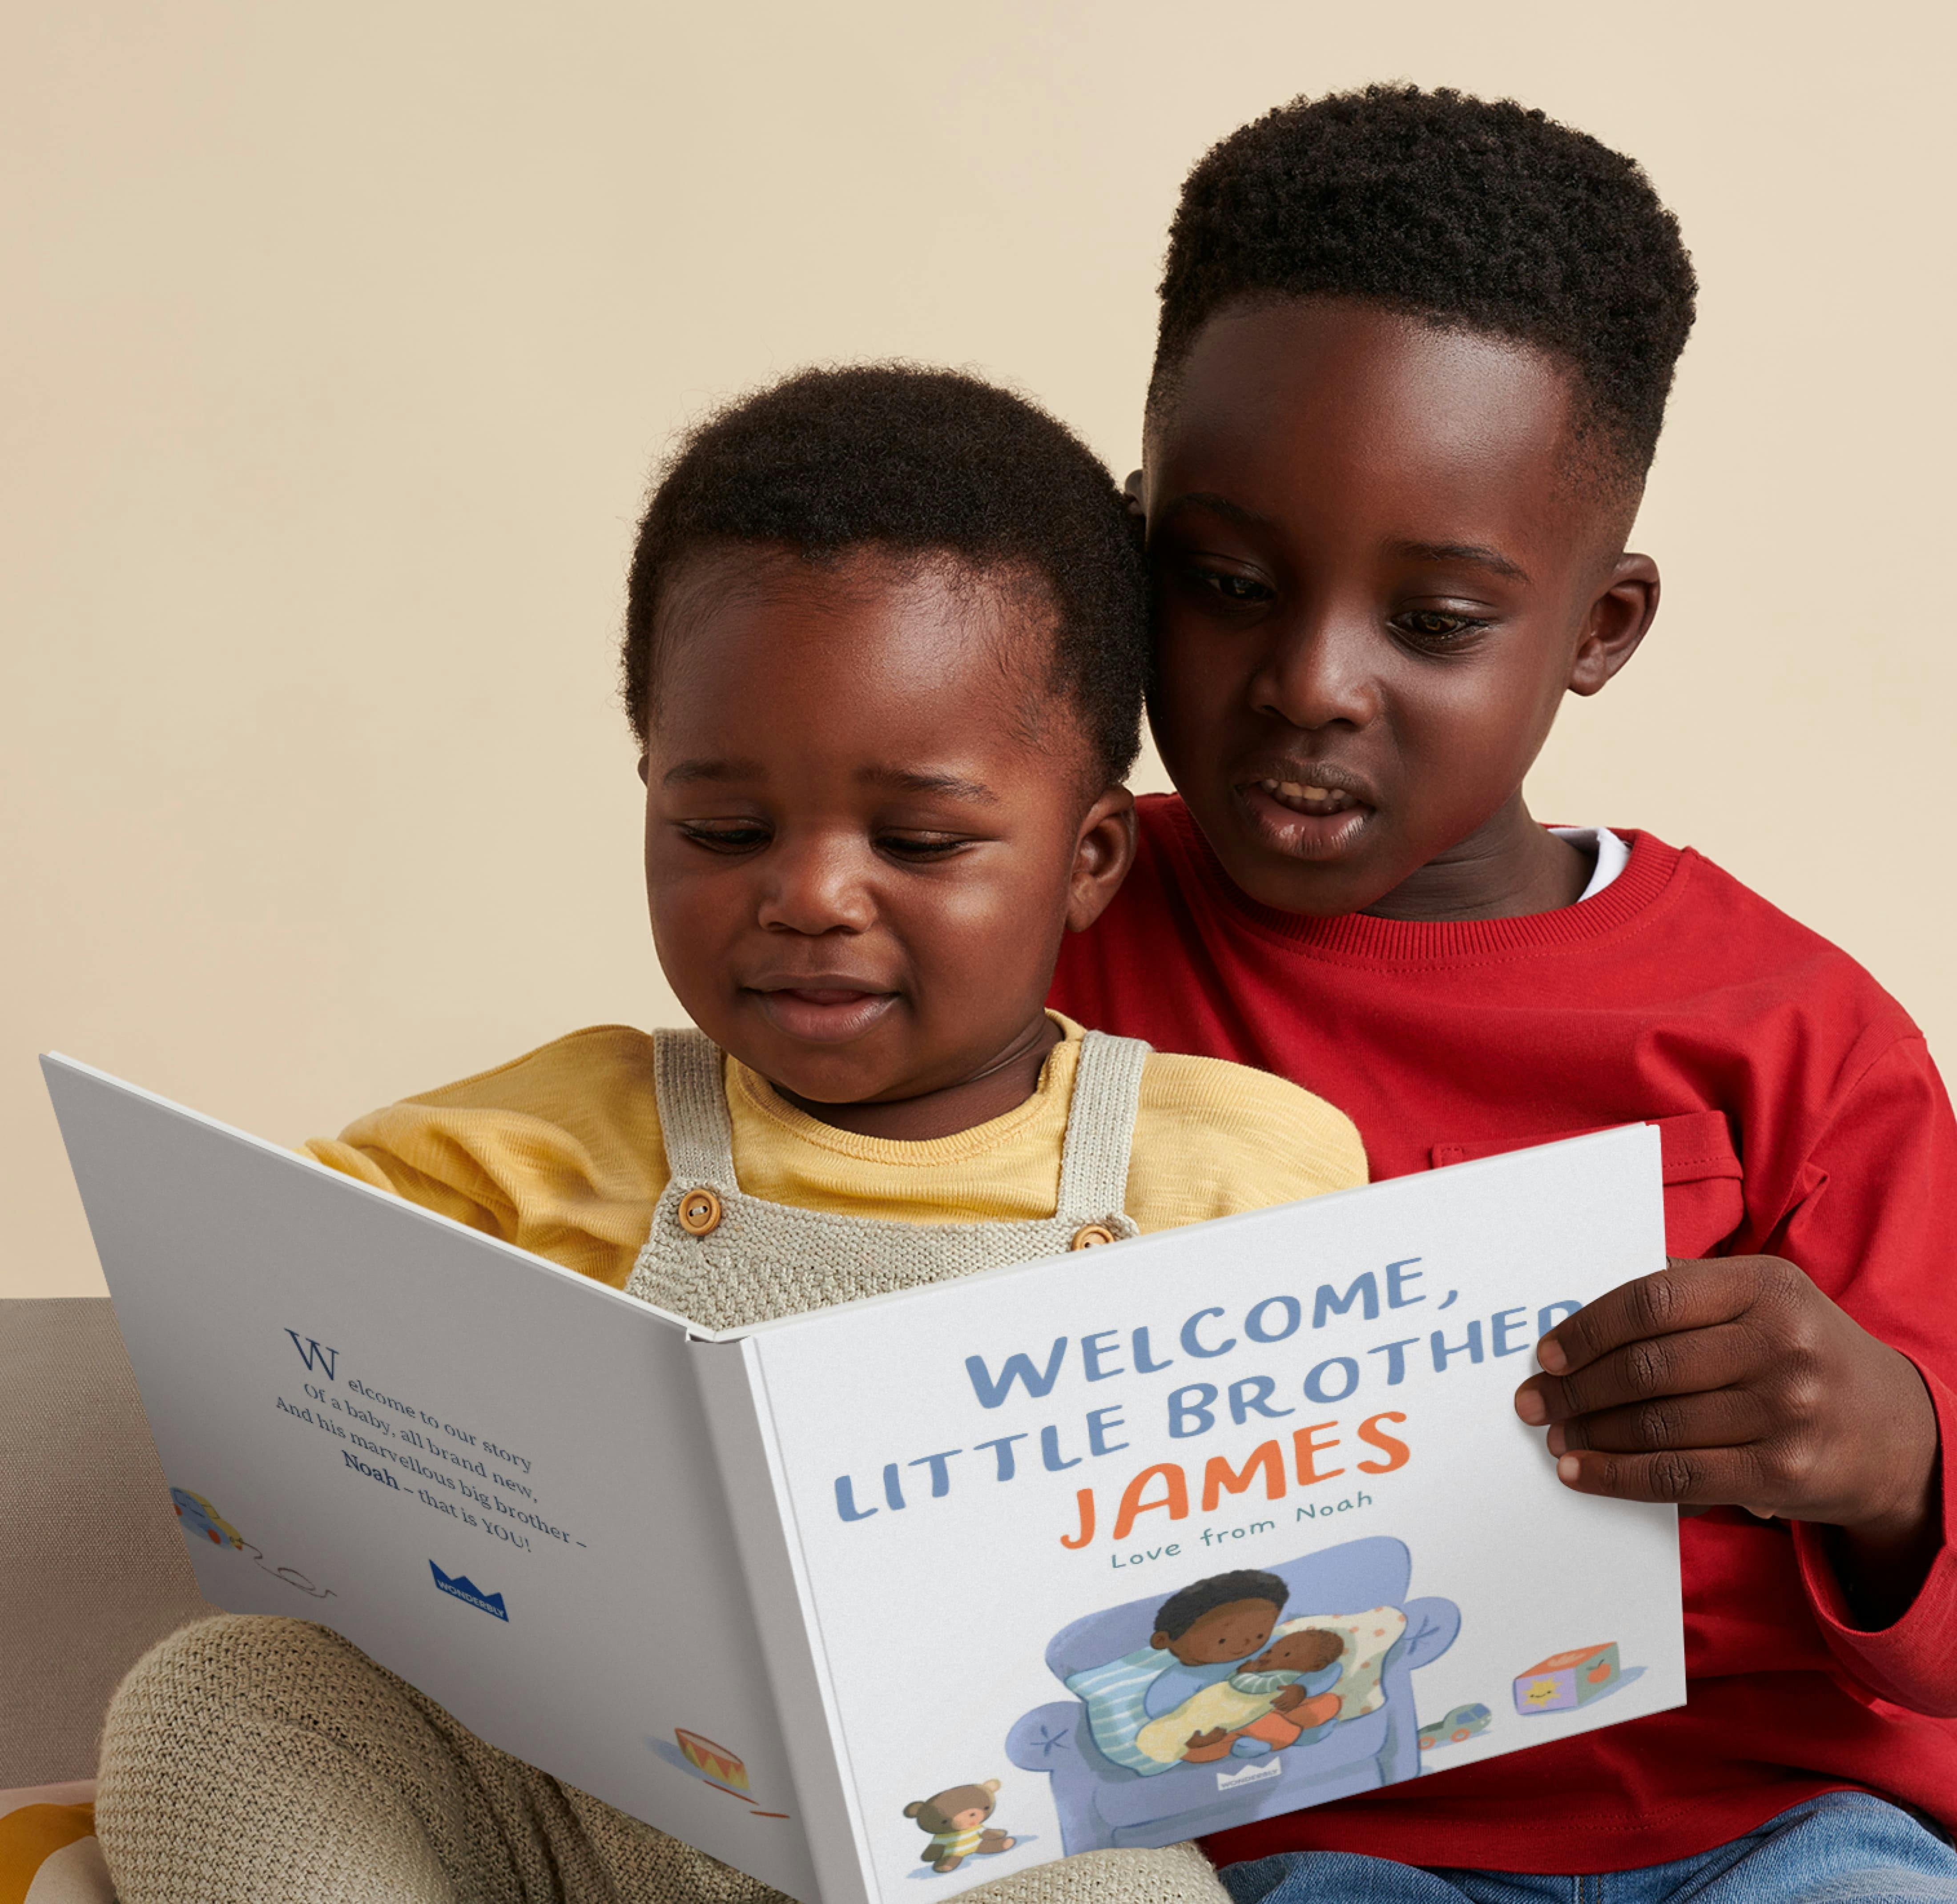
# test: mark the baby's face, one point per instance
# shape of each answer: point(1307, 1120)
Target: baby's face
point(1230, 1632)
point(1311, 1651)
point(868, 823)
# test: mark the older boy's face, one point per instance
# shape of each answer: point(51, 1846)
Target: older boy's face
point(1231, 1631)
point(1376, 579)
point(864, 837)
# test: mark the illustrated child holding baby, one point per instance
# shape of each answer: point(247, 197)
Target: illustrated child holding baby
point(885, 646)
point(1210, 1631)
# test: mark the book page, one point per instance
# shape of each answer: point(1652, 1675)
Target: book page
point(1007, 1493)
point(492, 1476)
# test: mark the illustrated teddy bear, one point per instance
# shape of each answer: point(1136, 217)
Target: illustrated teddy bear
point(955, 1820)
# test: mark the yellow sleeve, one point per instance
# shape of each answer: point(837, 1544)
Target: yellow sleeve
point(558, 1151)
point(1212, 1138)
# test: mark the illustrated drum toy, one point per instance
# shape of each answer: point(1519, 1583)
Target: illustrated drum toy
point(711, 1761)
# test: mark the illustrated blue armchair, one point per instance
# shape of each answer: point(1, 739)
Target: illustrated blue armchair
point(1103, 1805)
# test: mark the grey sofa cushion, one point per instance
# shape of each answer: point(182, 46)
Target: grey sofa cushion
point(92, 1569)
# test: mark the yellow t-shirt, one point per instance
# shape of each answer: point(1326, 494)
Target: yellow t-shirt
point(559, 1152)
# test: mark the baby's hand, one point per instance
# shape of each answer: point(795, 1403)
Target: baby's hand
point(1211, 1745)
point(1292, 1695)
point(1735, 1381)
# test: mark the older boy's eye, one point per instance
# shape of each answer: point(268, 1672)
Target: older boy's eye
point(1233, 587)
point(727, 838)
point(1437, 625)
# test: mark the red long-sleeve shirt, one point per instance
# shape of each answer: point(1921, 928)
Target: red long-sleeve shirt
point(1800, 1115)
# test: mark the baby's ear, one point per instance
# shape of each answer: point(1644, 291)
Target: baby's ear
point(1101, 856)
point(991, 1785)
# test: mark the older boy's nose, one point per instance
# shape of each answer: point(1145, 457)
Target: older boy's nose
point(1319, 674)
point(813, 890)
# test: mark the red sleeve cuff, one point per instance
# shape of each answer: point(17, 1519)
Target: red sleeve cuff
point(1912, 1662)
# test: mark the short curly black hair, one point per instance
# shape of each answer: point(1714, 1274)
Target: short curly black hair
point(1479, 213)
point(1181, 1611)
point(917, 462)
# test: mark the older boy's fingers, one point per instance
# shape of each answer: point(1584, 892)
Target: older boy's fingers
point(1646, 1371)
point(1718, 1477)
point(1724, 1419)
point(1685, 1294)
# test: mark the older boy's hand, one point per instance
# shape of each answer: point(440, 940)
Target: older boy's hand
point(1733, 1381)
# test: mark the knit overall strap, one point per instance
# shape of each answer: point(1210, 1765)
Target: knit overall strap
point(698, 1136)
point(1101, 1126)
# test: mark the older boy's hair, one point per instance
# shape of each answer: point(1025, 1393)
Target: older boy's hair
point(917, 463)
point(1181, 1611)
point(1478, 213)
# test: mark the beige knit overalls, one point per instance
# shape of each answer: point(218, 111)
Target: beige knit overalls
point(247, 1759)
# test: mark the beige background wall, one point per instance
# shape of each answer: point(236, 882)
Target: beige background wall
point(338, 341)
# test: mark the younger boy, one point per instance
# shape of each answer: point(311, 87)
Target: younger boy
point(883, 658)
point(1413, 355)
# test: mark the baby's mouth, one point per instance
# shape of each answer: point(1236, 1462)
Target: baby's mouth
point(1302, 797)
point(817, 1013)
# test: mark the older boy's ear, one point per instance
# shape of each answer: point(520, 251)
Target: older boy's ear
point(1616, 623)
point(1101, 857)
point(644, 769)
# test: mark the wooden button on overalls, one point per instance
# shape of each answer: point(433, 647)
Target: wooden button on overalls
point(1088, 1234)
point(699, 1213)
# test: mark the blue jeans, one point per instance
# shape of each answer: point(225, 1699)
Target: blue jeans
point(1842, 1848)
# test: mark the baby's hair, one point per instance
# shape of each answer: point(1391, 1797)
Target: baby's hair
point(1477, 213)
point(918, 463)
point(1181, 1611)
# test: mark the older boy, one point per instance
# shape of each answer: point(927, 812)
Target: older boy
point(1413, 355)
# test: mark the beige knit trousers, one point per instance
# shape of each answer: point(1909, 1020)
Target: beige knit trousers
point(253, 1760)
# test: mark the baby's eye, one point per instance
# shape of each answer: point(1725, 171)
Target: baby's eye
point(925, 847)
point(731, 837)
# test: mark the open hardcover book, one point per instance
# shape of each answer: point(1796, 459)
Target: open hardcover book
point(874, 1602)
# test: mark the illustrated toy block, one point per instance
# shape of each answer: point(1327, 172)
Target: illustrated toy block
point(1565, 1680)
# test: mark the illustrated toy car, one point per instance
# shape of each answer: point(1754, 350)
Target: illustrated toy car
point(1463, 1722)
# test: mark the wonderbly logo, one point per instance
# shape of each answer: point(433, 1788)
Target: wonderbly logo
point(1258, 1772)
point(463, 1588)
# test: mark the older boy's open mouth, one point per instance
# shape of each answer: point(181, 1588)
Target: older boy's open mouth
point(1306, 817)
point(1303, 798)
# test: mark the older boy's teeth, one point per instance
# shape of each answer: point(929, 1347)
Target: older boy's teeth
point(1301, 793)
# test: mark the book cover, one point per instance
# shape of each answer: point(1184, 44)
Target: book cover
point(887, 1600)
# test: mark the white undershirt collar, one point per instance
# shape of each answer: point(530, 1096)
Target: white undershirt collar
point(1613, 854)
